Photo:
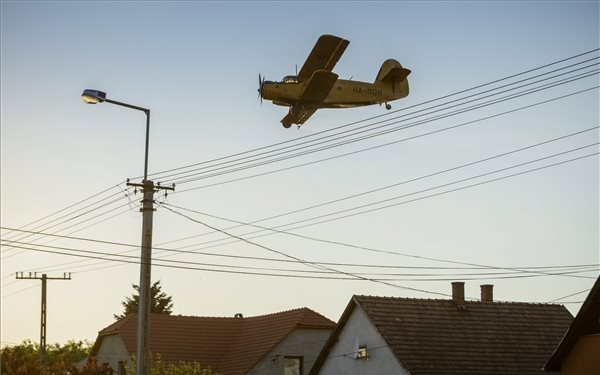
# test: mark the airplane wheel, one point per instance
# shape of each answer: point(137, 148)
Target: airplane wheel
point(286, 124)
point(388, 106)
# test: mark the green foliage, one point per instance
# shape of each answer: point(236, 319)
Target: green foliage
point(160, 302)
point(160, 367)
point(24, 359)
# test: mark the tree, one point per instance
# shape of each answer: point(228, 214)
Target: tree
point(160, 302)
point(24, 359)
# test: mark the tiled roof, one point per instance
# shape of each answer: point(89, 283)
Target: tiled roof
point(437, 337)
point(229, 345)
point(587, 322)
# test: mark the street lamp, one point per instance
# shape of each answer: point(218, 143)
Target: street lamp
point(96, 96)
point(142, 360)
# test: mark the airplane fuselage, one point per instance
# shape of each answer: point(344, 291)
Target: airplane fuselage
point(343, 94)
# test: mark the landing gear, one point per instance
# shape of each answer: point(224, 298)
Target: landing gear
point(388, 106)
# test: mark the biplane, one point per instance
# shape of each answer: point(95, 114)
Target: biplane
point(316, 86)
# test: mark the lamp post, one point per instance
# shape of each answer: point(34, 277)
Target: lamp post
point(142, 359)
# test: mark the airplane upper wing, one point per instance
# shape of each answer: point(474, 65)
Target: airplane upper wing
point(313, 95)
point(324, 55)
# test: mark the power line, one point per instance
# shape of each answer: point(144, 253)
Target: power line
point(572, 65)
point(318, 134)
point(560, 270)
point(78, 223)
point(570, 295)
point(275, 158)
point(392, 142)
point(362, 265)
point(268, 159)
point(477, 184)
point(454, 94)
point(295, 224)
point(271, 229)
point(479, 161)
point(65, 217)
point(190, 266)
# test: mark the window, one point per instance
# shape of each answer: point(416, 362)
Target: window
point(291, 79)
point(292, 366)
point(362, 352)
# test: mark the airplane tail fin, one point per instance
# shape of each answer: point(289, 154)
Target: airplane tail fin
point(391, 72)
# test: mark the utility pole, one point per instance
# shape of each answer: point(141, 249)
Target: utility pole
point(148, 187)
point(44, 278)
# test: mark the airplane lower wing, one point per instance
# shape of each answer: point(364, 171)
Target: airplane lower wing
point(298, 115)
point(312, 97)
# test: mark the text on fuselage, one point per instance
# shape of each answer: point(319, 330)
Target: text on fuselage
point(367, 91)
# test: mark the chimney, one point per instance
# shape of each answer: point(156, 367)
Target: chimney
point(458, 292)
point(487, 293)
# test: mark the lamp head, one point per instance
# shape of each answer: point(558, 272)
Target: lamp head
point(93, 96)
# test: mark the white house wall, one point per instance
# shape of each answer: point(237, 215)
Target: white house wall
point(302, 342)
point(112, 351)
point(359, 330)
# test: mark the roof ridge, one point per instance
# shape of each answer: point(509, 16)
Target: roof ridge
point(278, 312)
point(359, 296)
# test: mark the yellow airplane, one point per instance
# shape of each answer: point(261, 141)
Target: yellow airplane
point(316, 86)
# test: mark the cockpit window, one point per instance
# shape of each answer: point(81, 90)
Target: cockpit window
point(291, 79)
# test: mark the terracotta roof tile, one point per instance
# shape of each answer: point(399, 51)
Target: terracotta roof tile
point(432, 337)
point(229, 345)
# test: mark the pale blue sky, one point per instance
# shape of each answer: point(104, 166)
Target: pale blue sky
point(196, 66)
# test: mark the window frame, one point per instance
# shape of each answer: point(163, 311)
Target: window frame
point(297, 357)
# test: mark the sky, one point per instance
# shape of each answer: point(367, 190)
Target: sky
point(486, 173)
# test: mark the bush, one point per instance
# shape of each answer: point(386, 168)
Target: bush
point(24, 359)
point(159, 367)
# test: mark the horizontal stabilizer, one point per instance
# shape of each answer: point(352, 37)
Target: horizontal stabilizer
point(396, 75)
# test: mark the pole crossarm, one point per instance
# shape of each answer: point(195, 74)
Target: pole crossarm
point(158, 186)
point(35, 276)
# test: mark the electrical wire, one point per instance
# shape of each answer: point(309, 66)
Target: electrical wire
point(479, 161)
point(80, 222)
point(570, 295)
point(346, 212)
point(318, 134)
point(463, 180)
point(389, 143)
point(238, 166)
point(397, 111)
point(471, 266)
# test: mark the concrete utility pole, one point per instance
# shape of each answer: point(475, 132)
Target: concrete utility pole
point(142, 361)
point(148, 187)
point(44, 278)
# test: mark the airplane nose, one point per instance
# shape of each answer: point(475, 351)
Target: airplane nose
point(261, 83)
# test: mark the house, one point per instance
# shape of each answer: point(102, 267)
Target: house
point(284, 343)
point(579, 350)
point(386, 335)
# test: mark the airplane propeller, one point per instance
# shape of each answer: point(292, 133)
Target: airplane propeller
point(261, 82)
